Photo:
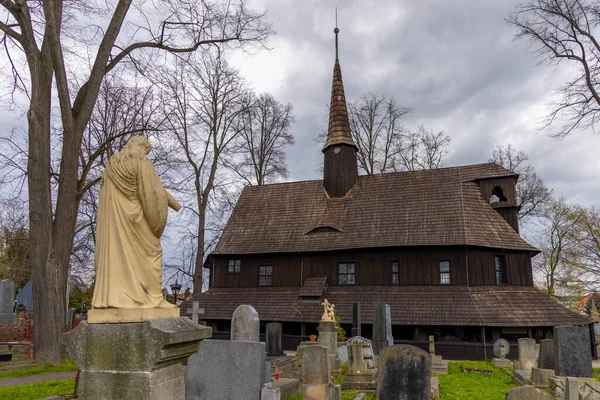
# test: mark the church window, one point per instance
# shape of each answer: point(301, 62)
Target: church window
point(265, 275)
point(347, 274)
point(497, 195)
point(500, 267)
point(445, 272)
point(234, 265)
point(395, 272)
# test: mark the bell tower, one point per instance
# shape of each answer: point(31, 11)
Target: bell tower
point(340, 169)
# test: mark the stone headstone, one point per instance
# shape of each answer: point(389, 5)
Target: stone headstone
point(404, 374)
point(328, 338)
point(546, 356)
point(195, 311)
point(274, 338)
point(316, 373)
point(343, 355)
point(368, 354)
point(528, 393)
point(270, 393)
point(572, 351)
point(357, 345)
point(527, 355)
point(497, 347)
point(245, 324)
point(71, 317)
point(431, 346)
point(7, 301)
point(382, 327)
point(226, 370)
point(356, 320)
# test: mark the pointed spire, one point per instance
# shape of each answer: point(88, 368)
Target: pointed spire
point(339, 125)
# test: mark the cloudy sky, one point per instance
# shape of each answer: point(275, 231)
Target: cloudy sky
point(455, 64)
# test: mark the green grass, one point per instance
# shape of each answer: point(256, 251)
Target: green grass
point(459, 386)
point(38, 390)
point(596, 373)
point(65, 366)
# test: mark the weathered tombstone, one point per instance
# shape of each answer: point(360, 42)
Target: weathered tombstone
point(528, 393)
point(273, 339)
point(356, 323)
point(527, 355)
point(270, 393)
point(328, 338)
point(316, 374)
point(438, 366)
point(546, 357)
point(382, 327)
point(343, 355)
point(195, 310)
point(71, 317)
point(245, 324)
point(431, 346)
point(226, 370)
point(572, 351)
point(404, 374)
point(367, 351)
point(358, 356)
point(7, 299)
point(501, 348)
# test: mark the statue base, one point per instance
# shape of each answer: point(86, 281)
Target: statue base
point(134, 360)
point(119, 315)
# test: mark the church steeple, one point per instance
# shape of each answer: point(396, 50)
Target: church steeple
point(340, 167)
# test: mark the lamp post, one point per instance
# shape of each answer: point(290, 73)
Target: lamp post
point(175, 288)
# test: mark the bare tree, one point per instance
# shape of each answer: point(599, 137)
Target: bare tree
point(588, 222)
point(203, 112)
point(559, 263)
point(264, 135)
point(422, 149)
point(377, 132)
point(564, 30)
point(41, 31)
point(532, 193)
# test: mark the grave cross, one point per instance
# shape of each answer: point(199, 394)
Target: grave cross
point(195, 311)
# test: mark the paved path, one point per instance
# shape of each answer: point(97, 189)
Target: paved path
point(25, 380)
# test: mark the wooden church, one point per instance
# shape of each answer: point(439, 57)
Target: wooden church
point(441, 247)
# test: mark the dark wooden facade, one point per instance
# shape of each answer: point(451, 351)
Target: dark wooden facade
point(418, 266)
point(340, 170)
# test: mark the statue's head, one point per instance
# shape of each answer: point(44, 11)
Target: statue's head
point(138, 144)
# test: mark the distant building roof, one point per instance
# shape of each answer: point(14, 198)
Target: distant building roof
point(508, 306)
point(436, 207)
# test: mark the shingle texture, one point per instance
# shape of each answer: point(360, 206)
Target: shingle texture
point(339, 127)
point(313, 286)
point(421, 208)
point(410, 305)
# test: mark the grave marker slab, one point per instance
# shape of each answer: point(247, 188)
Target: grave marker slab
point(382, 327)
point(404, 373)
point(245, 324)
point(7, 302)
point(356, 320)
point(527, 355)
point(273, 339)
point(528, 393)
point(572, 351)
point(546, 357)
point(195, 310)
point(226, 370)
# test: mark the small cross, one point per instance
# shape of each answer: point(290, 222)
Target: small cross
point(195, 311)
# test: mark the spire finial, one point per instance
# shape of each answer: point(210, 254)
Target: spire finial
point(336, 31)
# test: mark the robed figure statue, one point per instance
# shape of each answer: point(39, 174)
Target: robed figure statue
point(132, 215)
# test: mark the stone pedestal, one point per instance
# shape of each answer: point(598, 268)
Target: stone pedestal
point(541, 377)
point(502, 362)
point(360, 381)
point(134, 360)
point(328, 338)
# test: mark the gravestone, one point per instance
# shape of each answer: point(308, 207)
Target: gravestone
point(501, 348)
point(245, 324)
point(360, 377)
point(438, 366)
point(328, 338)
point(71, 317)
point(527, 355)
point(7, 300)
point(546, 356)
point(497, 348)
point(356, 320)
point(226, 370)
point(572, 351)
point(528, 393)
point(404, 374)
point(368, 354)
point(195, 310)
point(343, 355)
point(273, 339)
point(270, 393)
point(382, 327)
point(316, 375)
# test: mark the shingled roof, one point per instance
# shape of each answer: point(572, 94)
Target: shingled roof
point(420, 208)
point(508, 306)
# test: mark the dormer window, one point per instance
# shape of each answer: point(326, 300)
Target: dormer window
point(324, 229)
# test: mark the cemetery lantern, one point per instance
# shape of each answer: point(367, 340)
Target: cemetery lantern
point(175, 288)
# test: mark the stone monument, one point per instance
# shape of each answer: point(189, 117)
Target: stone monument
point(328, 334)
point(501, 348)
point(360, 377)
point(245, 324)
point(382, 327)
point(438, 365)
point(404, 374)
point(7, 299)
point(133, 344)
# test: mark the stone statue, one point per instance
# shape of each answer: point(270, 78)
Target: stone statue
point(132, 215)
point(329, 311)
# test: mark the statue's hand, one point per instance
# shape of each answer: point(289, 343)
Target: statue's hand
point(174, 204)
